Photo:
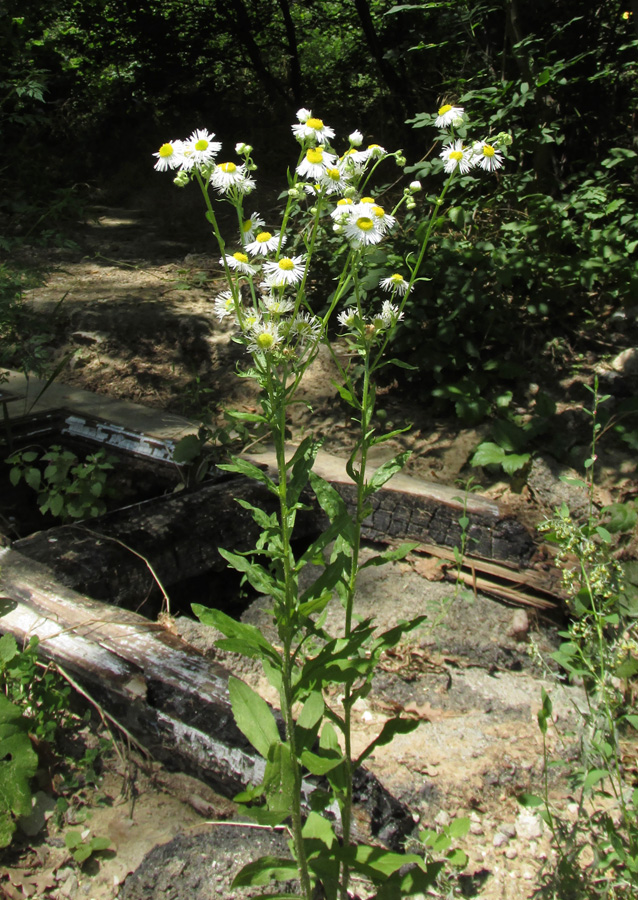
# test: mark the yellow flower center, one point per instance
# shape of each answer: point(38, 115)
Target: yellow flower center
point(166, 150)
point(317, 124)
point(265, 340)
point(488, 150)
point(365, 224)
point(456, 154)
point(314, 155)
point(367, 199)
point(286, 264)
point(445, 109)
point(201, 144)
point(345, 201)
point(333, 174)
point(378, 211)
point(396, 278)
point(240, 257)
point(228, 168)
point(263, 237)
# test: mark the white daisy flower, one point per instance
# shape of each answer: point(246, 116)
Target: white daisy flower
point(362, 230)
point(306, 327)
point(390, 314)
point(313, 129)
point(287, 270)
point(449, 115)
point(348, 318)
point(333, 181)
point(315, 161)
point(264, 243)
point(278, 306)
point(395, 283)
point(342, 209)
point(250, 226)
point(250, 319)
point(238, 261)
point(169, 156)
point(224, 305)
point(264, 337)
point(200, 149)
point(382, 220)
point(303, 114)
point(354, 159)
point(486, 156)
point(376, 151)
point(226, 175)
point(456, 157)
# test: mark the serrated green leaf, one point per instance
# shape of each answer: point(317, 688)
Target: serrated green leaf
point(512, 462)
point(250, 470)
point(487, 454)
point(260, 579)
point(385, 472)
point(253, 716)
point(8, 648)
point(33, 478)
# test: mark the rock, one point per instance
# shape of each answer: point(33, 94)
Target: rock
point(442, 819)
point(529, 826)
point(519, 625)
point(500, 839)
point(511, 853)
point(544, 482)
point(87, 337)
point(508, 829)
point(626, 363)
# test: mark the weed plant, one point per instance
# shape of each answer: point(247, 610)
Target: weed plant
point(330, 195)
point(597, 850)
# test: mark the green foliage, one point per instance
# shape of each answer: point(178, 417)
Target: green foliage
point(599, 650)
point(83, 847)
point(18, 764)
point(66, 488)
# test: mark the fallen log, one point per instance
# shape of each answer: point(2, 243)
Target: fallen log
point(176, 537)
point(164, 692)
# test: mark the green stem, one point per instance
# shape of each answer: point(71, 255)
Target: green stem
point(287, 624)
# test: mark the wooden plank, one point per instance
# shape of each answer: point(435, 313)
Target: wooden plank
point(170, 698)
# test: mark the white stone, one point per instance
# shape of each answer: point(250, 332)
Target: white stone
point(528, 826)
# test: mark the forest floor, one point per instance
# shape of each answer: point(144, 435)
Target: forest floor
point(137, 312)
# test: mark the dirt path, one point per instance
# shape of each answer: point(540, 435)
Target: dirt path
point(142, 328)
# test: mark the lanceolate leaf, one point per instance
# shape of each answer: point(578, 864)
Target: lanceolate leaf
point(244, 467)
point(261, 580)
point(385, 472)
point(234, 629)
point(388, 556)
point(301, 464)
point(253, 716)
point(265, 870)
point(391, 728)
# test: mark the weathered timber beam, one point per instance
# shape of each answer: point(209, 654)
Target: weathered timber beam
point(172, 699)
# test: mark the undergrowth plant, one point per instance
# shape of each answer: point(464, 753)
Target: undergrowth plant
point(597, 850)
point(267, 298)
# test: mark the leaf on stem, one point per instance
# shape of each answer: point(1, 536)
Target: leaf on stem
point(385, 472)
point(250, 470)
point(392, 555)
point(389, 731)
point(260, 579)
point(301, 464)
point(253, 716)
point(265, 870)
point(247, 634)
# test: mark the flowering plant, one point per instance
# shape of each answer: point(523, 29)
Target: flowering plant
point(266, 297)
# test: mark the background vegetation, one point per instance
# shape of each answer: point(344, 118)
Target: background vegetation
point(533, 262)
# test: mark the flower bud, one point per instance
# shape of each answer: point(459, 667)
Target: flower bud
point(303, 114)
point(338, 229)
point(410, 203)
point(240, 148)
point(503, 139)
point(356, 139)
point(313, 210)
point(181, 179)
point(415, 187)
point(350, 193)
point(400, 160)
